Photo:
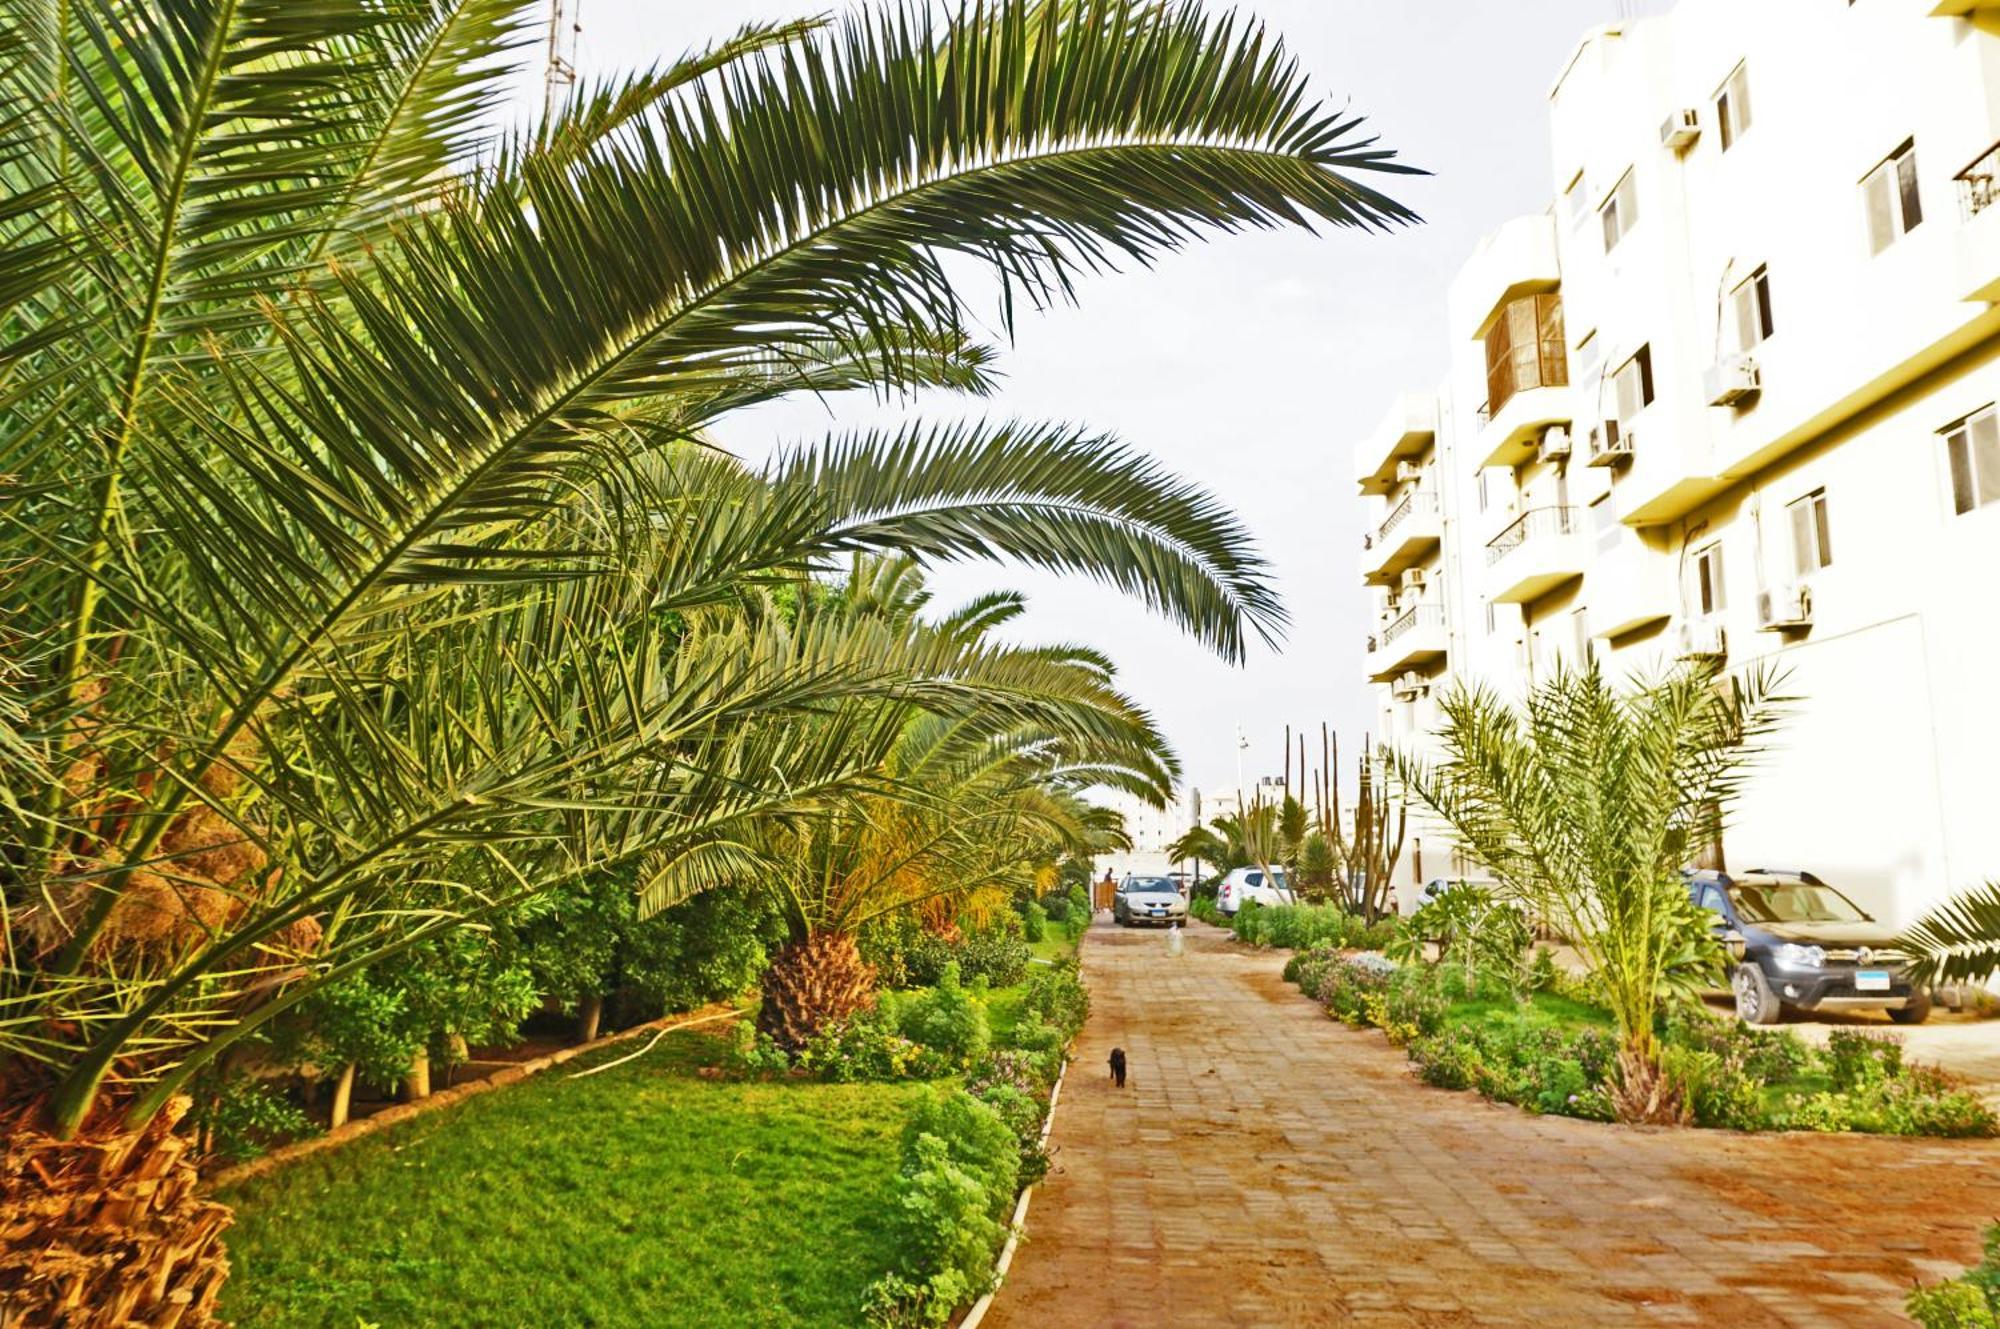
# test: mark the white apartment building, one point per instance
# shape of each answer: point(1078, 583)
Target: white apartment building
point(1734, 395)
point(1149, 828)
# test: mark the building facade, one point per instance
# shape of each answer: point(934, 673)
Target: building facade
point(1733, 396)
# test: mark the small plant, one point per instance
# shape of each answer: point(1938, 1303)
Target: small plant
point(245, 1117)
point(1860, 1061)
point(1034, 923)
point(1971, 1302)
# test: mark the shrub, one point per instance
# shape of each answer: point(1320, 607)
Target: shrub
point(1055, 908)
point(245, 1117)
point(707, 949)
point(947, 1020)
point(1203, 908)
point(1971, 1302)
point(1301, 926)
point(996, 953)
point(1720, 1092)
point(1022, 1111)
point(1415, 1004)
point(1858, 1061)
point(1953, 1305)
point(1034, 923)
point(1056, 996)
point(1349, 981)
point(961, 1165)
point(865, 1047)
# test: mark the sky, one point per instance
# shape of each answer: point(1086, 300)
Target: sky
point(1251, 364)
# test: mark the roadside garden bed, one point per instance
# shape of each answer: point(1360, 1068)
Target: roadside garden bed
point(703, 1182)
point(1537, 1037)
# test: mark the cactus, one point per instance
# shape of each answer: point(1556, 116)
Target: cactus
point(1367, 858)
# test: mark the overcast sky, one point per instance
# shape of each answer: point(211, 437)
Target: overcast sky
point(1253, 363)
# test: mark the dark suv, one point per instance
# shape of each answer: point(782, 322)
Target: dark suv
point(1800, 943)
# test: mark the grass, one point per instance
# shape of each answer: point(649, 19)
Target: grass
point(1542, 1008)
point(643, 1195)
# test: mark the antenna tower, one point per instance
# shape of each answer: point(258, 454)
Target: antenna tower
point(561, 72)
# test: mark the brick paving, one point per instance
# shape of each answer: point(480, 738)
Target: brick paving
point(1268, 1166)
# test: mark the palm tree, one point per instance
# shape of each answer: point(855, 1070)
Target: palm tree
point(968, 800)
point(1958, 941)
point(1587, 804)
point(366, 569)
point(1201, 845)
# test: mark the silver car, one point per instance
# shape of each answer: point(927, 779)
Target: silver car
point(1148, 900)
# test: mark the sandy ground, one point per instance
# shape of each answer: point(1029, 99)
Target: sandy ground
point(1268, 1166)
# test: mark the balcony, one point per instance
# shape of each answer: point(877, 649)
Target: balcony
point(1518, 259)
point(1631, 588)
point(1977, 274)
point(1403, 436)
point(1416, 637)
point(1510, 435)
point(1406, 537)
point(1539, 551)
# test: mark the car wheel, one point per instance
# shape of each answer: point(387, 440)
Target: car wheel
point(1755, 1002)
point(1916, 1010)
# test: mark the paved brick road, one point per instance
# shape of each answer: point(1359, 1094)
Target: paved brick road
point(1267, 1166)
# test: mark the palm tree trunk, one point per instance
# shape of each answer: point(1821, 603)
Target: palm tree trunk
point(1643, 1094)
point(343, 1098)
point(106, 1229)
point(811, 984)
point(417, 1084)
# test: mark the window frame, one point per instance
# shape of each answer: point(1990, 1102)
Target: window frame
point(1902, 197)
point(1964, 469)
point(1619, 212)
point(1643, 359)
point(1756, 290)
point(1731, 101)
point(1809, 508)
point(1710, 593)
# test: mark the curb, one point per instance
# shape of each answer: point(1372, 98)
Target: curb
point(445, 1098)
point(1019, 1222)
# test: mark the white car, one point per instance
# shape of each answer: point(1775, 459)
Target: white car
point(1252, 886)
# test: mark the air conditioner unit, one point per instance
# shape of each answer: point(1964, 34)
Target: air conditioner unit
point(1679, 131)
point(1555, 443)
point(1408, 472)
point(1731, 381)
point(1785, 608)
point(1408, 686)
point(1703, 641)
point(1610, 445)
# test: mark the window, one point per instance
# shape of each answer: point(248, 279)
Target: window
point(1632, 385)
point(1707, 585)
point(1751, 301)
point(1491, 623)
point(1973, 448)
point(1588, 352)
point(1732, 107)
point(1812, 546)
point(1604, 522)
point(1580, 621)
point(1576, 200)
point(1711, 900)
point(1620, 212)
point(1889, 198)
point(1525, 349)
point(1482, 491)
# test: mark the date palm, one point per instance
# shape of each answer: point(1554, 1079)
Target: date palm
point(365, 566)
point(1585, 805)
point(1957, 941)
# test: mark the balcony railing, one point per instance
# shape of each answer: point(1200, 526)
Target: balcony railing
point(1979, 184)
point(1414, 501)
point(1533, 524)
point(1429, 616)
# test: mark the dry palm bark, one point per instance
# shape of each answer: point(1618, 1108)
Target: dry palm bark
point(811, 984)
point(107, 1230)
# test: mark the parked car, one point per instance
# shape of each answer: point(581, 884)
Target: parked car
point(1437, 886)
point(1801, 944)
point(1148, 900)
point(1252, 886)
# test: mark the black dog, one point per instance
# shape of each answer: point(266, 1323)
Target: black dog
point(1118, 1067)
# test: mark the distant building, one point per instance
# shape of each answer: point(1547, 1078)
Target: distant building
point(1735, 395)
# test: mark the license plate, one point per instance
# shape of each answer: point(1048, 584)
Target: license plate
point(1871, 980)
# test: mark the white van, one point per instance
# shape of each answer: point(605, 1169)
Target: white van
point(1253, 886)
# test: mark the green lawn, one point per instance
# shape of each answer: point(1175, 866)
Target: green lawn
point(1541, 1008)
point(642, 1196)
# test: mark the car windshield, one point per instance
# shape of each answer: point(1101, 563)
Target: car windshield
point(1150, 886)
point(1793, 902)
